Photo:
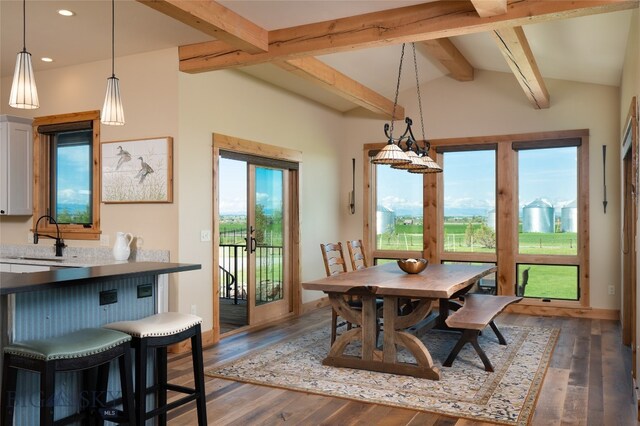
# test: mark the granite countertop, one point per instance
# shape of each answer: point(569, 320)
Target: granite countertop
point(16, 282)
point(74, 257)
point(64, 262)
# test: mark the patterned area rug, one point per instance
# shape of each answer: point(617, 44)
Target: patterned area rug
point(506, 396)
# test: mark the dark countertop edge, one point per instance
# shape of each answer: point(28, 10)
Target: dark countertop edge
point(11, 282)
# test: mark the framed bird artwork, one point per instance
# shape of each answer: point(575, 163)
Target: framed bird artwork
point(137, 171)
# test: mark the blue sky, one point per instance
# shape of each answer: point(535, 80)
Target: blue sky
point(74, 174)
point(233, 188)
point(469, 179)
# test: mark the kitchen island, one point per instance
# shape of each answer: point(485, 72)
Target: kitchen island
point(51, 303)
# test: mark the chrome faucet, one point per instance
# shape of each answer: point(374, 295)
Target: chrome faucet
point(59, 241)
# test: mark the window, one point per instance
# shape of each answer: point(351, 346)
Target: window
point(67, 165)
point(517, 201)
point(469, 210)
point(70, 182)
point(548, 219)
point(398, 220)
point(547, 194)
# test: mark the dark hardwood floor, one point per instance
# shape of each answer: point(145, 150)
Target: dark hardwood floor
point(587, 383)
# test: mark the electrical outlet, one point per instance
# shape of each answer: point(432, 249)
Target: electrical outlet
point(205, 235)
point(108, 297)
point(145, 290)
point(104, 240)
point(139, 241)
point(612, 290)
point(30, 237)
point(194, 311)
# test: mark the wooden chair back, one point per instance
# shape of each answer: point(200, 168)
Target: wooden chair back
point(333, 257)
point(357, 255)
point(523, 284)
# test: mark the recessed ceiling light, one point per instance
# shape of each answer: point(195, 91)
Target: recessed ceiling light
point(65, 12)
point(45, 59)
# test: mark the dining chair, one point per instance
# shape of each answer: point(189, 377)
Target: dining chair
point(357, 255)
point(334, 264)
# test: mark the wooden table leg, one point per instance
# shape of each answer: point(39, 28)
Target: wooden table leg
point(393, 335)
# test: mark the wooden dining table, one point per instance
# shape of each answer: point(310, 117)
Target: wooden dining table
point(387, 281)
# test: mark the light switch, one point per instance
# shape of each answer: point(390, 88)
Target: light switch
point(205, 235)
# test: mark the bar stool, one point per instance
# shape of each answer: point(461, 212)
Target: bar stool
point(90, 350)
point(157, 332)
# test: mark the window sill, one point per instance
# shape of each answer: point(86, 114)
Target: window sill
point(71, 234)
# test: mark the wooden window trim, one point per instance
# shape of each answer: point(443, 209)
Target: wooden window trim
point(506, 255)
point(42, 174)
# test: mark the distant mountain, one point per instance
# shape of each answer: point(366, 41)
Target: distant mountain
point(465, 212)
point(72, 208)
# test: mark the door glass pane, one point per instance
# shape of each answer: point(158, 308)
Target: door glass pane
point(547, 191)
point(269, 235)
point(548, 281)
point(470, 201)
point(399, 209)
point(232, 254)
point(73, 182)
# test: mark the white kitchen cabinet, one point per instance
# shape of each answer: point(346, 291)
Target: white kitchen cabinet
point(16, 166)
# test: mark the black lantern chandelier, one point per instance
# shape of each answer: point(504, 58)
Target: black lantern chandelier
point(405, 152)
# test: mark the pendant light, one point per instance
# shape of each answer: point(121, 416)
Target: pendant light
point(24, 94)
point(112, 112)
point(405, 152)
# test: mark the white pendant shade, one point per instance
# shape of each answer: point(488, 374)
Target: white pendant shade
point(391, 154)
point(24, 94)
point(112, 112)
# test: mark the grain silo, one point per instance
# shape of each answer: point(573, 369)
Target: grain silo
point(385, 220)
point(491, 219)
point(537, 216)
point(569, 217)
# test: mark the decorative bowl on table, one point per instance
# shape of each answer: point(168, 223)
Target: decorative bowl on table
point(412, 266)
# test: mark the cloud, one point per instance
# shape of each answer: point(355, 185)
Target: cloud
point(395, 202)
point(468, 202)
point(69, 195)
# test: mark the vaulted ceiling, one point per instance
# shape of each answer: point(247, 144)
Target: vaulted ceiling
point(341, 53)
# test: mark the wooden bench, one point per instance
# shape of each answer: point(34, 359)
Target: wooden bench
point(478, 311)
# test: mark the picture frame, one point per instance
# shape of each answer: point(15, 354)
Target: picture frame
point(137, 171)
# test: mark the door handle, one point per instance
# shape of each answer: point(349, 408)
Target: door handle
point(253, 243)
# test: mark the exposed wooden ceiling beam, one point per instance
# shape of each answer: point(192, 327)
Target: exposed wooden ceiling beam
point(217, 21)
point(514, 46)
point(317, 72)
point(444, 51)
point(425, 21)
point(486, 8)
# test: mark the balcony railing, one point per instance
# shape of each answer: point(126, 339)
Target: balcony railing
point(233, 269)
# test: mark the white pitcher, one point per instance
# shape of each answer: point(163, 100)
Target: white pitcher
point(121, 249)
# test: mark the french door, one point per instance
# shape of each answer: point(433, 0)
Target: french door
point(256, 234)
point(267, 228)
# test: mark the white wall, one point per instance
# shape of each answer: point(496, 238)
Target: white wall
point(235, 104)
point(494, 104)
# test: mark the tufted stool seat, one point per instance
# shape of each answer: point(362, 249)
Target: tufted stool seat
point(89, 350)
point(157, 332)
